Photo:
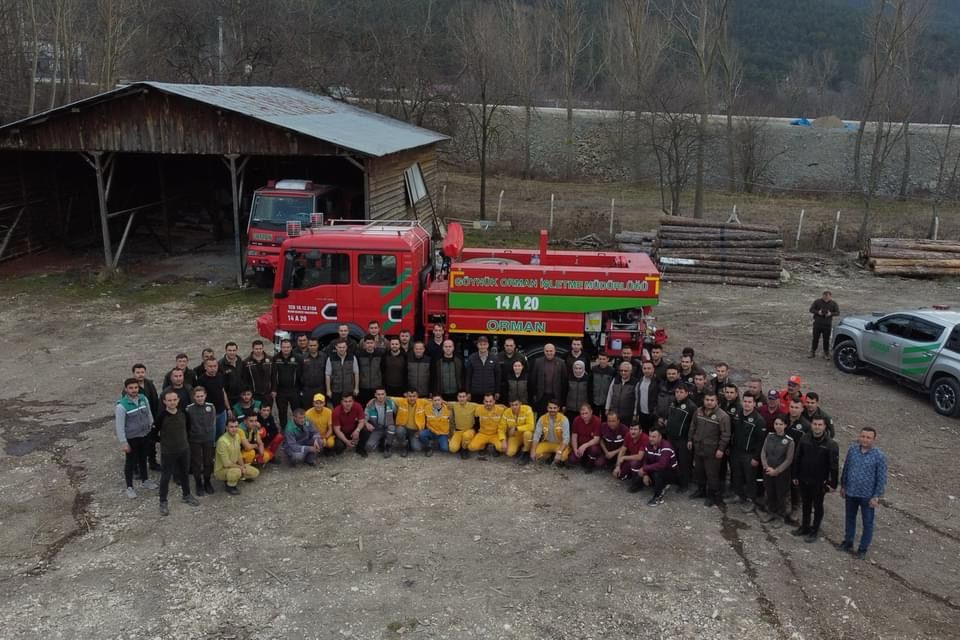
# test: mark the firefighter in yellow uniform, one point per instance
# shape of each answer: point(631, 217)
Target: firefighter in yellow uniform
point(516, 429)
point(320, 416)
point(488, 424)
point(438, 426)
point(551, 438)
point(228, 464)
point(463, 415)
point(410, 419)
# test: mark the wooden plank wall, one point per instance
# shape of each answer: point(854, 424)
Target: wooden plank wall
point(388, 194)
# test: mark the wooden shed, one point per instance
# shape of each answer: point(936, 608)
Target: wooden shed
point(94, 165)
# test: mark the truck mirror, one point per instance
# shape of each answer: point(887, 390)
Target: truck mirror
point(870, 326)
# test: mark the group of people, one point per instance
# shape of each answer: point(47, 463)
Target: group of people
point(647, 422)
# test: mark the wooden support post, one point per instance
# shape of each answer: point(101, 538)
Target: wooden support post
point(499, 205)
point(123, 239)
point(235, 196)
point(796, 245)
point(613, 203)
point(6, 238)
point(836, 229)
point(98, 167)
point(551, 211)
point(936, 226)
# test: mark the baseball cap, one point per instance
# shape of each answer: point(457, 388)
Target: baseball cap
point(794, 380)
point(772, 394)
point(482, 339)
point(320, 397)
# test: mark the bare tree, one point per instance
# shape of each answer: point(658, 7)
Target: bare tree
point(571, 38)
point(701, 25)
point(526, 42)
point(634, 45)
point(674, 138)
point(824, 70)
point(891, 26)
point(731, 75)
point(478, 31)
point(755, 153)
point(948, 157)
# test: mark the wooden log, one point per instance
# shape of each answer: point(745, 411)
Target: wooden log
point(887, 252)
point(717, 236)
point(715, 244)
point(670, 229)
point(752, 258)
point(712, 279)
point(630, 247)
point(690, 222)
point(873, 263)
point(635, 236)
point(732, 265)
point(920, 271)
point(944, 246)
point(766, 275)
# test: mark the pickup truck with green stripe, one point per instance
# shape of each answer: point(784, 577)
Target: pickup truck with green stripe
point(919, 349)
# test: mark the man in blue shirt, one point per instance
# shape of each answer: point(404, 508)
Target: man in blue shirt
point(862, 483)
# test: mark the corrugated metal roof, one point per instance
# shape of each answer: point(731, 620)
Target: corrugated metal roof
point(332, 121)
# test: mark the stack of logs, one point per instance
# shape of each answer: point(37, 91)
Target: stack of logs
point(910, 257)
point(719, 253)
point(636, 241)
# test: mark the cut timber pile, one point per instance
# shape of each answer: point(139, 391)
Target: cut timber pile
point(722, 253)
point(637, 241)
point(910, 257)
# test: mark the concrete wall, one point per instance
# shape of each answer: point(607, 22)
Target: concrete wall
point(609, 147)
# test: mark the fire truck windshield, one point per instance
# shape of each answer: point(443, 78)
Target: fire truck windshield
point(277, 210)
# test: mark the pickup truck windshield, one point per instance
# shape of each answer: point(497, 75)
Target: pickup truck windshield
point(277, 210)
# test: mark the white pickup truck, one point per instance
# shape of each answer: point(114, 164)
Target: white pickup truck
point(919, 349)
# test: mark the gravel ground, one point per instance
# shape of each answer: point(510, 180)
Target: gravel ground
point(444, 548)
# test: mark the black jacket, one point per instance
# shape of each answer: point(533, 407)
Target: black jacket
point(286, 373)
point(817, 461)
point(482, 376)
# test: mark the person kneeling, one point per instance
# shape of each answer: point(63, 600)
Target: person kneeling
point(437, 430)
point(554, 428)
point(516, 431)
point(251, 444)
point(301, 442)
point(659, 466)
point(631, 455)
point(228, 464)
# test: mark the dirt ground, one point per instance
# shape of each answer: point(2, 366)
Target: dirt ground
point(441, 548)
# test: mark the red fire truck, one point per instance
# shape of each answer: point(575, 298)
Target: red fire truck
point(273, 207)
point(354, 273)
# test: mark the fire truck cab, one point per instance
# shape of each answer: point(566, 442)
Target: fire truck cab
point(273, 206)
point(358, 272)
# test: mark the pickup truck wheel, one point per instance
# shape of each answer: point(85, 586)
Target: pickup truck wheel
point(846, 357)
point(945, 396)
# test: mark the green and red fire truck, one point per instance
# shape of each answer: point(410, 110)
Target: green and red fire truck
point(354, 273)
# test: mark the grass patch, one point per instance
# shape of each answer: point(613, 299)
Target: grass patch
point(121, 289)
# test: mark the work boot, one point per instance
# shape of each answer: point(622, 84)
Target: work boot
point(464, 454)
point(190, 500)
point(800, 531)
point(710, 501)
point(387, 452)
point(813, 354)
point(748, 507)
point(524, 458)
point(199, 482)
point(208, 486)
point(428, 450)
point(153, 465)
point(636, 485)
point(811, 537)
point(233, 491)
point(826, 355)
point(845, 546)
point(164, 508)
point(697, 494)
point(404, 452)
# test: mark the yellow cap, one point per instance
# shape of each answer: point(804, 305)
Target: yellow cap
point(320, 397)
